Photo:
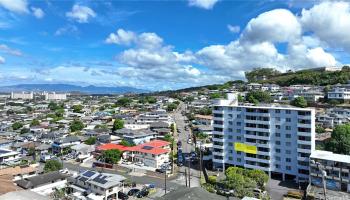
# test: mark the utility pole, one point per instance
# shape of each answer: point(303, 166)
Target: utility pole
point(165, 181)
point(200, 162)
point(189, 173)
point(186, 176)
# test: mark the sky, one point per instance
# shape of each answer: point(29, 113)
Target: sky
point(169, 44)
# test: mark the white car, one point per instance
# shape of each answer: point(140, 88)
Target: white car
point(141, 164)
point(189, 141)
point(125, 162)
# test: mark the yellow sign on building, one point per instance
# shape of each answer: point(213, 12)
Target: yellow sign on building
point(245, 148)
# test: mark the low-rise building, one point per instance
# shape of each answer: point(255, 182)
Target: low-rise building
point(152, 154)
point(63, 143)
point(55, 96)
point(204, 119)
point(337, 168)
point(96, 186)
point(9, 157)
point(340, 94)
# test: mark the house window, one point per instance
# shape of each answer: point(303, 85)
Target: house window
point(278, 134)
point(288, 119)
point(288, 112)
point(288, 127)
point(288, 135)
point(288, 160)
point(288, 168)
point(230, 158)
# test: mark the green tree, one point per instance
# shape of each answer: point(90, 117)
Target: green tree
point(171, 107)
point(215, 96)
point(126, 143)
point(24, 130)
point(240, 98)
point(122, 102)
point(151, 100)
point(299, 102)
point(90, 141)
point(258, 74)
point(259, 97)
point(118, 124)
point(76, 125)
point(52, 165)
point(205, 111)
point(77, 108)
point(111, 156)
point(320, 129)
point(259, 176)
point(53, 106)
point(340, 140)
point(35, 122)
point(17, 125)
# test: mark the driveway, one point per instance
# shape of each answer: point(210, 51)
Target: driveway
point(277, 188)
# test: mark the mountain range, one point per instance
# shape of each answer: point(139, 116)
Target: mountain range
point(91, 89)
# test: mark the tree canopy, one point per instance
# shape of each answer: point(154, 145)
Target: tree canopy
point(76, 125)
point(118, 124)
point(259, 97)
point(35, 122)
point(90, 141)
point(52, 165)
point(124, 101)
point(299, 102)
point(340, 140)
point(258, 74)
point(77, 108)
point(111, 156)
point(126, 143)
point(17, 125)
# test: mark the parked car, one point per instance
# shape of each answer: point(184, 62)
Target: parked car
point(189, 141)
point(142, 193)
point(125, 162)
point(161, 170)
point(141, 164)
point(179, 143)
point(133, 192)
point(122, 195)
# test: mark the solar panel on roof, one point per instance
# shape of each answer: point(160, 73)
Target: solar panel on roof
point(89, 173)
point(147, 147)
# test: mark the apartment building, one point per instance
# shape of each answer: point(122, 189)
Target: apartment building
point(337, 168)
point(22, 95)
point(55, 96)
point(277, 140)
point(341, 94)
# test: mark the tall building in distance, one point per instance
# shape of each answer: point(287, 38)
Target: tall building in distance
point(22, 95)
point(55, 96)
point(275, 139)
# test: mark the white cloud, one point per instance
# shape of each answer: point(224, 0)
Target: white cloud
point(205, 4)
point(81, 14)
point(38, 12)
point(2, 60)
point(121, 37)
point(6, 49)
point(233, 29)
point(277, 25)
point(17, 6)
point(330, 22)
point(67, 30)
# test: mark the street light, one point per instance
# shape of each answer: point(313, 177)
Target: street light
point(324, 174)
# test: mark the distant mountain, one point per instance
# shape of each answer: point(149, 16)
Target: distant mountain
point(70, 88)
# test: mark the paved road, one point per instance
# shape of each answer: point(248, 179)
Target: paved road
point(157, 181)
point(182, 134)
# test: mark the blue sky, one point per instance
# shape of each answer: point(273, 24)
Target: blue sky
point(160, 45)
